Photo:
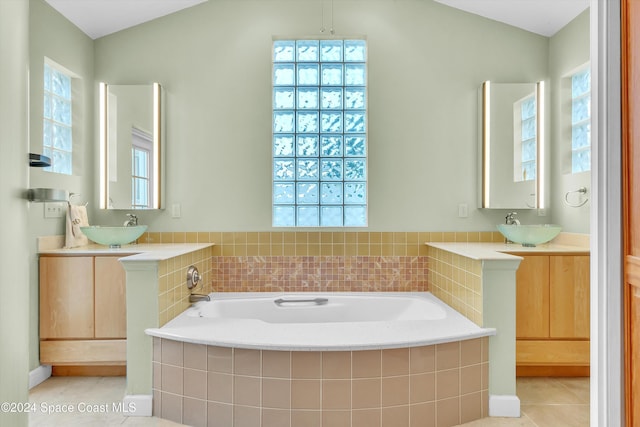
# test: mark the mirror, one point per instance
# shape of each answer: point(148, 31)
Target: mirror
point(512, 146)
point(131, 147)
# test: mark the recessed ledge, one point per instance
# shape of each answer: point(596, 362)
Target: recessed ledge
point(133, 253)
point(47, 195)
point(503, 251)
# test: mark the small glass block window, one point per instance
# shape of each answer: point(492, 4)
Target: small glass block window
point(581, 121)
point(57, 120)
point(319, 142)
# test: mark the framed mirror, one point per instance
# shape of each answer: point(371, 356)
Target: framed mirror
point(131, 147)
point(512, 146)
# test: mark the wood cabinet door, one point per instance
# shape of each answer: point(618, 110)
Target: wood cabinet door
point(66, 297)
point(110, 298)
point(532, 297)
point(569, 296)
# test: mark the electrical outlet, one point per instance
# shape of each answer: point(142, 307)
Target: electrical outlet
point(55, 210)
point(176, 211)
point(463, 210)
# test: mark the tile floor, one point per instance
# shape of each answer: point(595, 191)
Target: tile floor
point(546, 402)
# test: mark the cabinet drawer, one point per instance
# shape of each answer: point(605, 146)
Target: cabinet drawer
point(83, 352)
point(544, 352)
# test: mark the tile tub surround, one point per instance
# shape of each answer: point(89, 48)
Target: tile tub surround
point(457, 280)
point(456, 268)
point(438, 385)
point(497, 300)
point(319, 261)
point(479, 280)
point(173, 294)
point(155, 280)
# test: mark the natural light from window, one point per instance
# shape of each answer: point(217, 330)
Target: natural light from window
point(319, 133)
point(581, 121)
point(57, 126)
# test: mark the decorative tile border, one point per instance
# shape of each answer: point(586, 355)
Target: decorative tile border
point(319, 273)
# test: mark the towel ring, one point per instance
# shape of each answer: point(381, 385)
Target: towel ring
point(582, 191)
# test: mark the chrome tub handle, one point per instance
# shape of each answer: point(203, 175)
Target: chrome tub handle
point(317, 301)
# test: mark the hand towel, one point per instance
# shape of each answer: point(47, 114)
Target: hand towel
point(76, 218)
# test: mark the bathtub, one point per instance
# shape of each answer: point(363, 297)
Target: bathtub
point(299, 360)
point(320, 321)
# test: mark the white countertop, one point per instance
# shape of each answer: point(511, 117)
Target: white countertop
point(503, 251)
point(142, 252)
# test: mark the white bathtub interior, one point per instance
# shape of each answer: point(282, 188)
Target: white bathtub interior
point(320, 321)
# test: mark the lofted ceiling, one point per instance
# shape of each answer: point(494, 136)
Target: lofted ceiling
point(98, 18)
point(544, 17)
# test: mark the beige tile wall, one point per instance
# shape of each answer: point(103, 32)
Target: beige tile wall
point(319, 243)
point(439, 385)
point(173, 295)
point(402, 263)
point(457, 281)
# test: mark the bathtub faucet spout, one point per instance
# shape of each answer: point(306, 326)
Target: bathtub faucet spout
point(199, 297)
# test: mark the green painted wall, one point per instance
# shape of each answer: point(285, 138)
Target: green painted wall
point(72, 49)
point(14, 272)
point(426, 62)
point(569, 49)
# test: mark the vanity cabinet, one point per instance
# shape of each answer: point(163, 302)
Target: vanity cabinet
point(83, 313)
point(552, 315)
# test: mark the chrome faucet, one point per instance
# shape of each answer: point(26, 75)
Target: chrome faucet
point(132, 221)
point(511, 219)
point(199, 297)
point(193, 277)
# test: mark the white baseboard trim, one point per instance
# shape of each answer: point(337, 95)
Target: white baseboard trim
point(504, 406)
point(137, 405)
point(38, 375)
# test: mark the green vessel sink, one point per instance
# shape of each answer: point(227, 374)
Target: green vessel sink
point(113, 236)
point(530, 235)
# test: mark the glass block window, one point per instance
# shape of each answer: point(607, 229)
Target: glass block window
point(525, 141)
point(581, 121)
point(57, 126)
point(319, 133)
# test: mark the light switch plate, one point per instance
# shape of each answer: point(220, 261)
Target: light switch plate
point(55, 209)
